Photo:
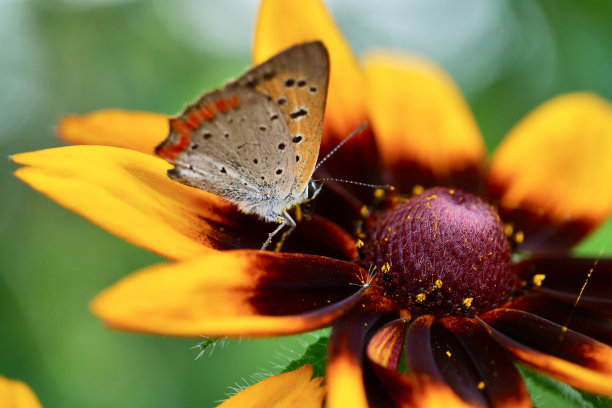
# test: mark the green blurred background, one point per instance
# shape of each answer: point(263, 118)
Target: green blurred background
point(63, 56)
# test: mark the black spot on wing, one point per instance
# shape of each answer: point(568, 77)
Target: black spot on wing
point(298, 113)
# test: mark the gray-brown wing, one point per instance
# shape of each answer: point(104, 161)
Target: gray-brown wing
point(233, 142)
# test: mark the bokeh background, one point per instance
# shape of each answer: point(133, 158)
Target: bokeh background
point(64, 56)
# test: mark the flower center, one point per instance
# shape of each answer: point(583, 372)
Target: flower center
point(443, 252)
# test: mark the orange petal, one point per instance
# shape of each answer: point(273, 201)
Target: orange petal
point(568, 356)
point(345, 383)
point(17, 394)
point(556, 165)
point(385, 347)
point(283, 23)
point(424, 128)
point(288, 390)
point(129, 194)
point(140, 131)
point(233, 293)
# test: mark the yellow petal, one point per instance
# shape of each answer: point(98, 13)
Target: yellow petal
point(420, 117)
point(16, 394)
point(140, 131)
point(232, 293)
point(345, 381)
point(129, 194)
point(283, 23)
point(558, 161)
point(294, 389)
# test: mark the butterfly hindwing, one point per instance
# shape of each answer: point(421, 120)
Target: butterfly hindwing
point(234, 143)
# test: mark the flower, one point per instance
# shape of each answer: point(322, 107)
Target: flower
point(460, 289)
point(291, 389)
point(14, 393)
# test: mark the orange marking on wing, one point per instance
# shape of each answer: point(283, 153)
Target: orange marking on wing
point(206, 113)
point(193, 119)
point(170, 151)
point(220, 105)
point(233, 102)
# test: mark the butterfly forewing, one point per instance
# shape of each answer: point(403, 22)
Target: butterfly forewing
point(296, 80)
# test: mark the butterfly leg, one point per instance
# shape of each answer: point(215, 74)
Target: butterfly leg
point(284, 219)
point(292, 225)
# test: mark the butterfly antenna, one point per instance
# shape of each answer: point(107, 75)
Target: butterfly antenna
point(380, 186)
point(339, 145)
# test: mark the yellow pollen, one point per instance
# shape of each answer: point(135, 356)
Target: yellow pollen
point(418, 189)
point(448, 353)
point(389, 229)
point(420, 297)
point(386, 239)
point(467, 302)
point(359, 243)
point(437, 284)
point(519, 237)
point(386, 267)
point(481, 385)
point(379, 193)
point(431, 197)
point(451, 191)
point(508, 229)
point(365, 325)
point(538, 278)
point(363, 211)
point(409, 217)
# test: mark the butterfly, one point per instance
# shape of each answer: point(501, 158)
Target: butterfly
point(255, 142)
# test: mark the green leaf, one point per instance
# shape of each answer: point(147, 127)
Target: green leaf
point(548, 393)
point(315, 353)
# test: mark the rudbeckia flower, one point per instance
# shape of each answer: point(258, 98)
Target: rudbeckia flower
point(432, 293)
point(17, 394)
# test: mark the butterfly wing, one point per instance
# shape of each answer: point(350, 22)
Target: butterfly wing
point(233, 142)
point(255, 142)
point(297, 79)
